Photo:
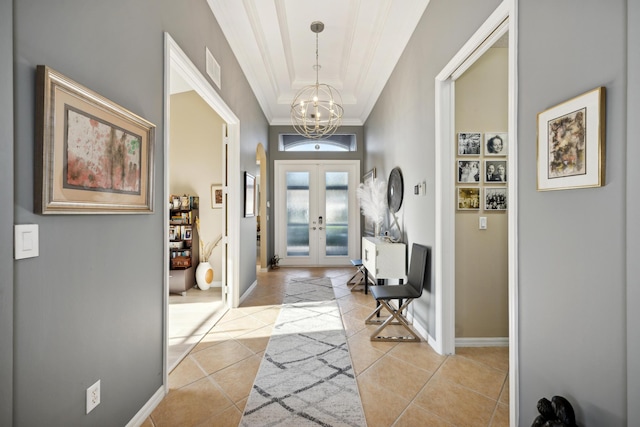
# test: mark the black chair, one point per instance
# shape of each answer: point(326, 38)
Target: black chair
point(418, 279)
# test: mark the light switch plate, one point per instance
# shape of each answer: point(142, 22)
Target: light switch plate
point(26, 241)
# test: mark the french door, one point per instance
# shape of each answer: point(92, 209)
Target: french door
point(316, 216)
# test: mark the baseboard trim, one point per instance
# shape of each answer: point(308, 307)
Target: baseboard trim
point(483, 342)
point(147, 409)
point(248, 291)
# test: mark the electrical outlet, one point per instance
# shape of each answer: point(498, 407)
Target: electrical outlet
point(93, 396)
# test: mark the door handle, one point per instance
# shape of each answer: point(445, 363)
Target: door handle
point(319, 228)
point(313, 228)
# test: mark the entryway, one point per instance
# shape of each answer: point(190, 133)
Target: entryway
point(316, 214)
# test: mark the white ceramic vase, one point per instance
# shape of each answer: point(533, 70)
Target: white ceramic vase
point(204, 275)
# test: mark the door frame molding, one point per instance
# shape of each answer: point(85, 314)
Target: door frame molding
point(503, 19)
point(176, 59)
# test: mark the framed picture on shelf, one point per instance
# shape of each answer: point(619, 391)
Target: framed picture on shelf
point(495, 198)
point(571, 143)
point(92, 155)
point(369, 226)
point(187, 233)
point(469, 143)
point(249, 195)
point(468, 171)
point(216, 196)
point(495, 144)
point(468, 198)
point(172, 233)
point(495, 171)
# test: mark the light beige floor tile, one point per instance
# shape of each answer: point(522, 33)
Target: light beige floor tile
point(241, 326)
point(381, 408)
point(256, 340)
point(419, 354)
point(230, 417)
point(396, 376)
point(363, 356)
point(473, 375)
point(496, 357)
point(455, 404)
point(220, 356)
point(214, 336)
point(501, 416)
point(237, 380)
point(504, 395)
point(190, 405)
point(267, 316)
point(415, 416)
point(185, 373)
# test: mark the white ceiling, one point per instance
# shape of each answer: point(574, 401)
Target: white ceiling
point(358, 49)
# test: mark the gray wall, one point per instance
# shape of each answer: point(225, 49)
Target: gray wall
point(400, 130)
point(572, 271)
point(578, 287)
point(90, 306)
point(6, 212)
point(633, 213)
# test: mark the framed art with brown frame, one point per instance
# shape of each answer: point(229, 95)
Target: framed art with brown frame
point(249, 195)
point(571, 143)
point(369, 226)
point(93, 156)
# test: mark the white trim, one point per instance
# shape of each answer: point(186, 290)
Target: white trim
point(144, 412)
point(482, 342)
point(444, 342)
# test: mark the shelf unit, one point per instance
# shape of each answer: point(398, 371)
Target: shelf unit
point(183, 250)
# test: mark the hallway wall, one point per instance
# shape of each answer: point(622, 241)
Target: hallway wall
point(577, 248)
point(6, 212)
point(91, 305)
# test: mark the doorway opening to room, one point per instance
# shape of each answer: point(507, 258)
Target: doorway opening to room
point(492, 203)
point(200, 152)
point(316, 216)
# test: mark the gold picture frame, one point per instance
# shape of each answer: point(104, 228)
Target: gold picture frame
point(92, 155)
point(571, 143)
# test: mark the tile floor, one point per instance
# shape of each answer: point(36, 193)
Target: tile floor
point(401, 384)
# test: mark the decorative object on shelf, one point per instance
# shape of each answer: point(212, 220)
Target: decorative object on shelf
point(275, 260)
point(249, 195)
point(175, 202)
point(557, 413)
point(571, 143)
point(316, 110)
point(204, 271)
point(372, 196)
point(93, 156)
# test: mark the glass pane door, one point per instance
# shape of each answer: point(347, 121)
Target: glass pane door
point(316, 218)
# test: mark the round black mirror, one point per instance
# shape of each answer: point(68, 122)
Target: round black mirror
point(395, 189)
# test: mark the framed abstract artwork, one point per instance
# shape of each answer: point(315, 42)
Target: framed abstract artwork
point(571, 143)
point(93, 156)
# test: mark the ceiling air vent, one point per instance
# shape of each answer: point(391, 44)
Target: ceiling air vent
point(213, 68)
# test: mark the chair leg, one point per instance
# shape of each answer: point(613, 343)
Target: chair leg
point(356, 280)
point(396, 318)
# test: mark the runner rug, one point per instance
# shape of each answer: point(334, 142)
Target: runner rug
point(306, 377)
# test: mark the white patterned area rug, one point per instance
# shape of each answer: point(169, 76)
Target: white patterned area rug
point(306, 377)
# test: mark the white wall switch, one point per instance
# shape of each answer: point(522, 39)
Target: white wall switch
point(25, 240)
point(483, 223)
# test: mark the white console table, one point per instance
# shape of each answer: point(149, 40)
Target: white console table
point(383, 260)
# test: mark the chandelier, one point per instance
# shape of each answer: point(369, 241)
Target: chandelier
point(316, 110)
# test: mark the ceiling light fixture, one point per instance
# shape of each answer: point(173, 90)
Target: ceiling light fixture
point(316, 110)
